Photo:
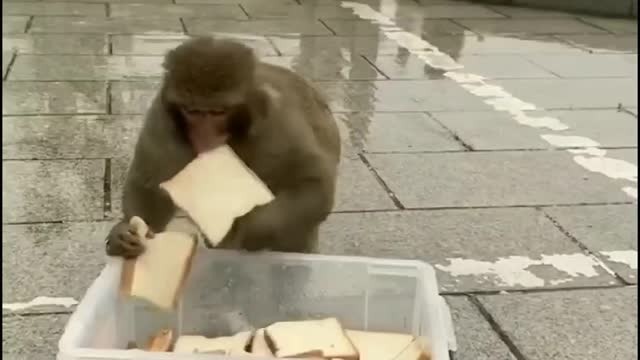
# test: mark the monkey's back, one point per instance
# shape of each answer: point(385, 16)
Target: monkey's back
point(304, 107)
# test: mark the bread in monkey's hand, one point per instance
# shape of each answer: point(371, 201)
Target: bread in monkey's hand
point(216, 188)
point(158, 274)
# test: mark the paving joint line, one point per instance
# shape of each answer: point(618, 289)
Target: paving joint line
point(5, 76)
point(582, 20)
point(455, 135)
point(374, 66)
point(27, 27)
point(34, 314)
point(384, 185)
point(246, 13)
point(515, 351)
point(185, 31)
point(506, 292)
point(327, 27)
point(107, 187)
point(108, 99)
point(584, 247)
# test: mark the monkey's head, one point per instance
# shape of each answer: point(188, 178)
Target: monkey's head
point(209, 89)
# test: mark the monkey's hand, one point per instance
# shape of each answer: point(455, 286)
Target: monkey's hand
point(124, 240)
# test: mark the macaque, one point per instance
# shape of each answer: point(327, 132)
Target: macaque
point(216, 92)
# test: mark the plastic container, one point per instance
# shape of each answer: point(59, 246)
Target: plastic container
point(363, 293)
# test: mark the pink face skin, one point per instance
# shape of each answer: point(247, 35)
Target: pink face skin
point(206, 129)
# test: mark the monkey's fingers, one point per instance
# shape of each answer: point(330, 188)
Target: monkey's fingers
point(130, 245)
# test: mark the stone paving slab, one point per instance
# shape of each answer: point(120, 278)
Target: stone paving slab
point(603, 43)
point(396, 132)
point(14, 24)
point(472, 250)
point(611, 232)
point(69, 137)
point(358, 189)
point(53, 9)
point(24, 98)
point(88, 68)
point(490, 66)
point(498, 131)
point(456, 46)
point(587, 65)
point(335, 45)
point(39, 191)
point(197, 26)
point(263, 10)
point(327, 67)
point(32, 337)
point(524, 12)
point(492, 179)
point(577, 324)
point(365, 27)
point(476, 339)
point(161, 44)
point(71, 254)
point(574, 93)
point(77, 44)
point(457, 11)
point(241, 2)
point(529, 26)
point(132, 97)
point(616, 26)
point(211, 11)
point(391, 96)
point(62, 24)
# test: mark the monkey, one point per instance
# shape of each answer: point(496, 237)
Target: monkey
point(215, 91)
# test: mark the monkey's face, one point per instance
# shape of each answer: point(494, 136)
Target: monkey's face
point(206, 128)
point(209, 87)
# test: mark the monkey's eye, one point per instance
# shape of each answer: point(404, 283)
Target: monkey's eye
point(218, 111)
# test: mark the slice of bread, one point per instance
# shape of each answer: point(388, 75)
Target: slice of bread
point(214, 189)
point(160, 342)
point(158, 275)
point(226, 345)
point(379, 345)
point(321, 338)
point(414, 352)
point(259, 344)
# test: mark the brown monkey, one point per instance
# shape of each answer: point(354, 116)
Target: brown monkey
point(215, 91)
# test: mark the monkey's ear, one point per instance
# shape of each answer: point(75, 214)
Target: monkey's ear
point(169, 60)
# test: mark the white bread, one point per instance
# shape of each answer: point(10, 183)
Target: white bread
point(379, 345)
point(227, 345)
point(414, 352)
point(259, 344)
point(159, 273)
point(160, 342)
point(320, 338)
point(214, 189)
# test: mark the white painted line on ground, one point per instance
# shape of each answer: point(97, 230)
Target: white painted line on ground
point(501, 100)
point(627, 257)
point(517, 270)
point(66, 302)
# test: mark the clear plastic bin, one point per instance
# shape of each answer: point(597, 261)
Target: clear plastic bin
point(224, 286)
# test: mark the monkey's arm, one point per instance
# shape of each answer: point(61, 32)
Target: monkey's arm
point(146, 201)
point(288, 222)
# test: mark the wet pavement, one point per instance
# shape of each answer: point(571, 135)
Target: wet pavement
point(498, 144)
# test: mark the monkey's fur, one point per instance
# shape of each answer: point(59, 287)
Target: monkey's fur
point(279, 125)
